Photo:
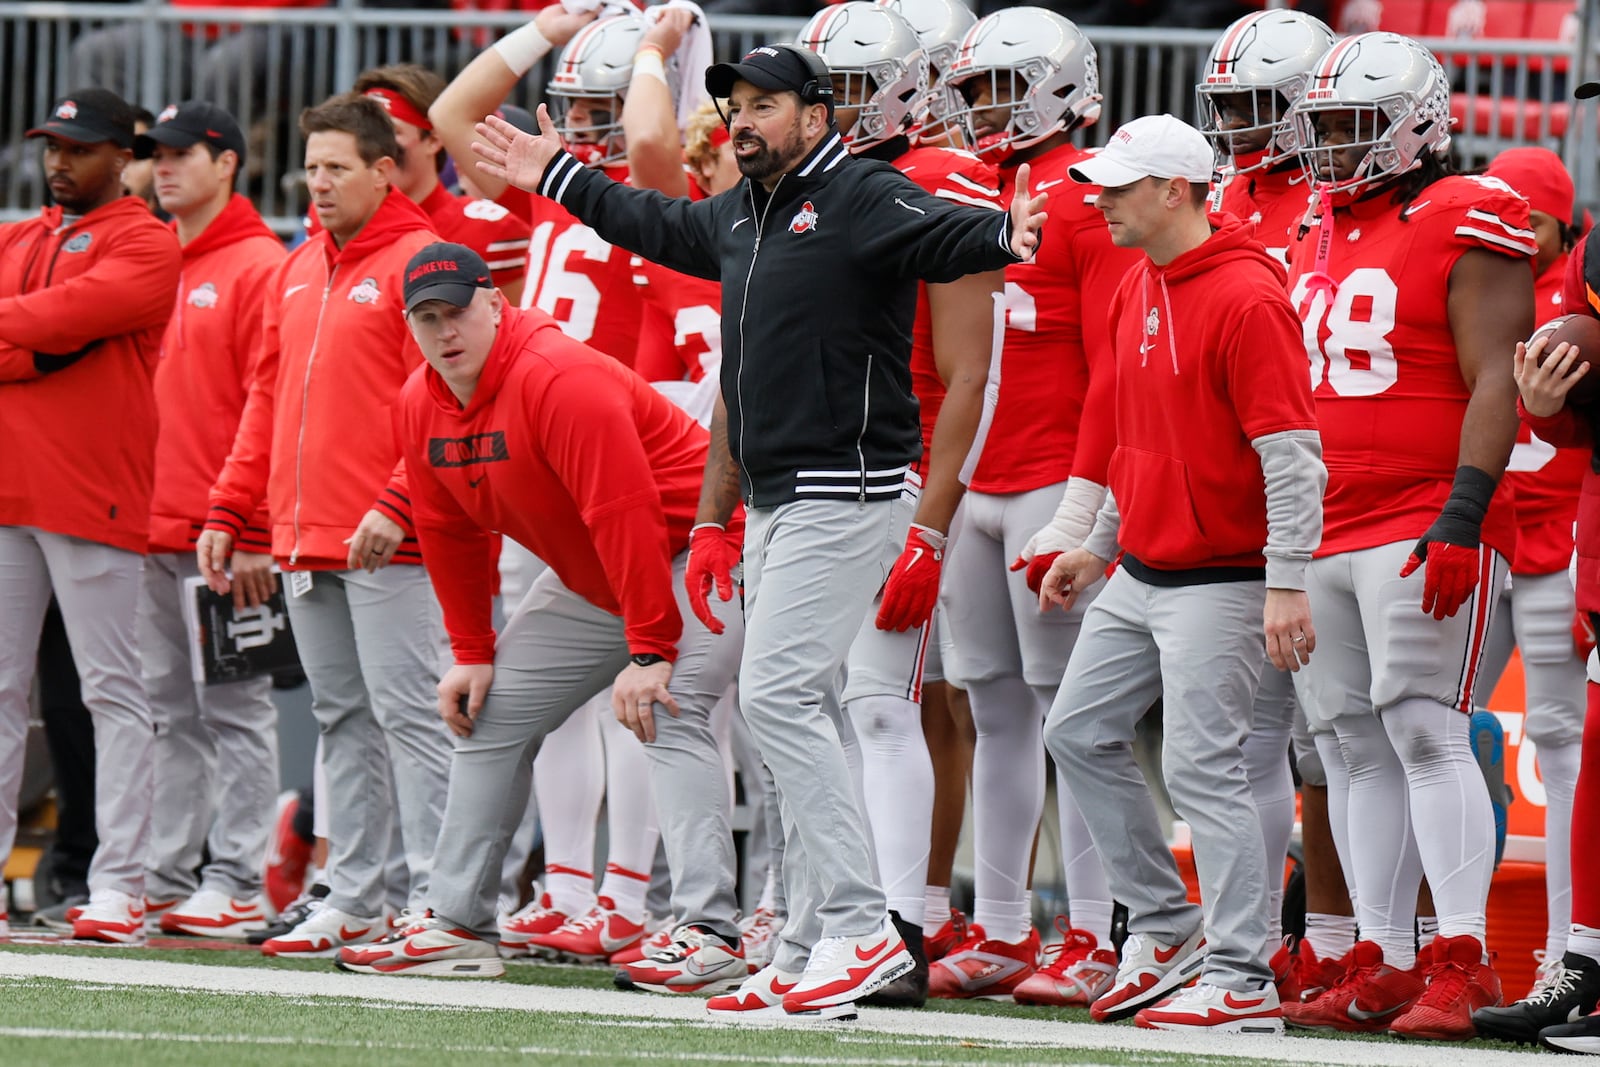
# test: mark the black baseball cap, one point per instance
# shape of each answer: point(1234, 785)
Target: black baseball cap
point(1586, 90)
point(776, 67)
point(89, 116)
point(189, 123)
point(520, 117)
point(448, 272)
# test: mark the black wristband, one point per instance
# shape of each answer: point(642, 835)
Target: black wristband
point(647, 659)
point(1460, 522)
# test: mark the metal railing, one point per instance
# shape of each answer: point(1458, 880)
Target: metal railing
point(267, 64)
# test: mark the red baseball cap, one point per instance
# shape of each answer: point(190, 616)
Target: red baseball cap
point(1540, 176)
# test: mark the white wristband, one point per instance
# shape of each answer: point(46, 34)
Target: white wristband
point(648, 64)
point(523, 47)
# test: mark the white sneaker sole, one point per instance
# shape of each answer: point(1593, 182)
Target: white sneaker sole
point(709, 988)
point(1176, 978)
point(771, 1011)
point(1266, 1027)
point(477, 968)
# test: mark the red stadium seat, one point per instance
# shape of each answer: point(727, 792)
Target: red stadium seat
point(1508, 118)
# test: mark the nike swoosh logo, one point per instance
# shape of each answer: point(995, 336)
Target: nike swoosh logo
point(347, 934)
point(474, 483)
point(293, 289)
point(1414, 208)
point(916, 557)
point(780, 988)
point(1361, 1015)
point(418, 953)
point(1042, 186)
point(872, 952)
point(1165, 955)
point(1228, 999)
point(741, 222)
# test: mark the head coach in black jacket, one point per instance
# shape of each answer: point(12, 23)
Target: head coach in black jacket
point(819, 253)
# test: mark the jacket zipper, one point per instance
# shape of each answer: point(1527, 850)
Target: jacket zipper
point(305, 406)
point(760, 220)
point(866, 409)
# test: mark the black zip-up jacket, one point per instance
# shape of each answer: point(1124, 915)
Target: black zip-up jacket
point(819, 289)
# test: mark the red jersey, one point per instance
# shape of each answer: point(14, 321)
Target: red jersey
point(208, 360)
point(680, 337)
point(1544, 479)
point(1057, 337)
point(1384, 368)
point(965, 179)
point(1273, 202)
point(568, 453)
point(484, 226)
point(585, 284)
point(1211, 335)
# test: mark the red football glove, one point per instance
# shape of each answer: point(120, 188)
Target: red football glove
point(1037, 567)
point(913, 586)
point(1582, 634)
point(1450, 548)
point(712, 557)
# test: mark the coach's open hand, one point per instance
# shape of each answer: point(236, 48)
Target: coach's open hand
point(515, 157)
point(1027, 217)
point(635, 694)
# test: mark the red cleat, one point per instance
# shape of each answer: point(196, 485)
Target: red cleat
point(1459, 983)
point(1366, 1000)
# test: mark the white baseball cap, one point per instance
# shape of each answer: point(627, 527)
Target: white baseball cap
point(1155, 146)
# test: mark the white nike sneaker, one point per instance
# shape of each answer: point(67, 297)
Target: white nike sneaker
point(760, 996)
point(211, 913)
point(843, 970)
point(111, 916)
point(1207, 1007)
point(324, 933)
point(695, 962)
point(429, 947)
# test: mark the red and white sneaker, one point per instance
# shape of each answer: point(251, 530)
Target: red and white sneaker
point(643, 947)
point(5, 924)
point(210, 913)
point(943, 941)
point(1366, 999)
point(591, 937)
point(535, 918)
point(759, 996)
point(1079, 971)
point(1207, 1007)
point(759, 936)
point(288, 858)
point(111, 916)
point(1299, 974)
point(842, 970)
point(694, 962)
point(1150, 969)
point(984, 968)
point(154, 912)
point(324, 932)
point(428, 947)
point(1459, 983)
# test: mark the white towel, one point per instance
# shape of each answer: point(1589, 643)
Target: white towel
point(691, 59)
point(606, 8)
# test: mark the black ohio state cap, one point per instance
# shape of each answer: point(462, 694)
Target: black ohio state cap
point(448, 272)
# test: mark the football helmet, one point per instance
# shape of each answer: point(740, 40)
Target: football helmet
point(1400, 96)
point(596, 65)
point(881, 62)
point(939, 25)
point(1033, 60)
point(1267, 53)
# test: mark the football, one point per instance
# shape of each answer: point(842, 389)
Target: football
point(1584, 332)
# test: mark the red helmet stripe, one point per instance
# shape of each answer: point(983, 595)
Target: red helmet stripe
point(820, 35)
point(1227, 55)
point(1330, 62)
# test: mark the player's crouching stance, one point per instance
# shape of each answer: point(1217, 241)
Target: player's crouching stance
point(1216, 500)
point(514, 427)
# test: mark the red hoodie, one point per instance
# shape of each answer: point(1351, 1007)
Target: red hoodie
point(1208, 357)
point(208, 359)
point(569, 453)
point(335, 351)
point(82, 308)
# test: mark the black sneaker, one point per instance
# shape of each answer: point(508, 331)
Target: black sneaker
point(289, 917)
point(55, 917)
point(1581, 1036)
point(1564, 994)
point(910, 990)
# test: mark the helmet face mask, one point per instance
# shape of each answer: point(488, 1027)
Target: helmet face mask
point(590, 127)
point(1263, 61)
point(940, 26)
point(878, 68)
point(585, 94)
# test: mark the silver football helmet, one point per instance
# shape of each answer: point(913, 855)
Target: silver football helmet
point(939, 25)
point(1400, 96)
point(1033, 61)
point(596, 65)
point(1267, 56)
point(880, 61)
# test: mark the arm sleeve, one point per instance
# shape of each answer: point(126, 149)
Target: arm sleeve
point(585, 424)
point(457, 552)
point(241, 487)
point(1565, 429)
point(1102, 540)
point(1291, 462)
point(394, 500)
point(913, 232)
point(673, 231)
point(17, 364)
point(141, 270)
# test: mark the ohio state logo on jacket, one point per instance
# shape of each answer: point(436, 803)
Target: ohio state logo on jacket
point(804, 220)
point(365, 293)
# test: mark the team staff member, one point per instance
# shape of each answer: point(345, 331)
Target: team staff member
point(310, 443)
point(807, 463)
point(217, 751)
point(1205, 328)
point(515, 427)
point(85, 291)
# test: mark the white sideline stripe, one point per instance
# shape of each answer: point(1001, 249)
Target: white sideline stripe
point(468, 993)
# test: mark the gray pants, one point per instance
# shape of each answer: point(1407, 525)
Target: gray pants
point(556, 653)
point(812, 569)
point(97, 587)
point(1200, 648)
point(372, 646)
point(216, 756)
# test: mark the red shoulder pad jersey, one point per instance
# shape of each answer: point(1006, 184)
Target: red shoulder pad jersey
point(1206, 361)
point(1057, 338)
point(79, 442)
point(484, 226)
point(680, 333)
point(1384, 369)
point(208, 360)
point(1273, 203)
point(315, 438)
point(585, 284)
point(964, 178)
point(567, 452)
point(1544, 479)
